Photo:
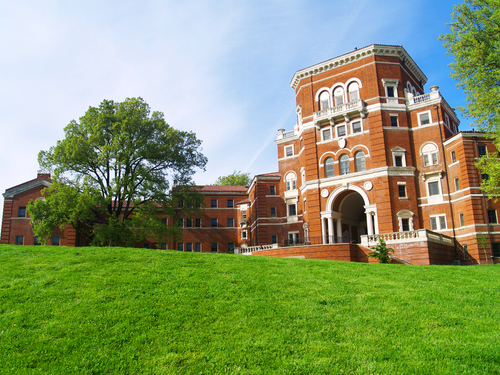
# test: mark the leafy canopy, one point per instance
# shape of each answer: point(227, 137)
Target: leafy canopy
point(474, 42)
point(234, 179)
point(113, 172)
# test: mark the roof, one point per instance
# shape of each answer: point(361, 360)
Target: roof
point(357, 54)
point(224, 188)
point(272, 174)
point(41, 180)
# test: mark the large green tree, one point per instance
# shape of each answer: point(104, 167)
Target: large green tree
point(235, 178)
point(474, 43)
point(113, 175)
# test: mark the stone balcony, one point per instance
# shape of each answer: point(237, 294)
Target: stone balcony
point(342, 112)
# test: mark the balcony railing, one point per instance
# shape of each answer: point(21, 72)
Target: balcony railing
point(339, 110)
point(423, 98)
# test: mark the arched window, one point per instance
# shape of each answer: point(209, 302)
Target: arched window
point(353, 91)
point(344, 165)
point(359, 159)
point(339, 96)
point(329, 170)
point(324, 100)
point(430, 154)
point(291, 181)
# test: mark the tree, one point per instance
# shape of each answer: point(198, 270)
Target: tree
point(235, 178)
point(381, 252)
point(474, 41)
point(113, 173)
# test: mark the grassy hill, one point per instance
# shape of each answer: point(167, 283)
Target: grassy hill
point(140, 311)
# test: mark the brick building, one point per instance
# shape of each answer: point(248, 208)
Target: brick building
point(372, 156)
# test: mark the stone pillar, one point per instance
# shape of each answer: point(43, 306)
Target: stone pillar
point(339, 227)
point(369, 223)
point(323, 230)
point(330, 230)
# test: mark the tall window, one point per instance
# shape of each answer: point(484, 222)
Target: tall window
point(291, 181)
point(339, 96)
point(197, 222)
point(288, 151)
point(344, 165)
point(457, 184)
point(402, 191)
point(481, 149)
point(273, 211)
point(353, 91)
point(189, 223)
point(324, 100)
point(329, 170)
point(213, 247)
point(461, 219)
point(213, 222)
point(272, 190)
point(230, 203)
point(180, 246)
point(197, 247)
point(394, 121)
point(292, 210)
point(492, 217)
point(230, 222)
point(359, 159)
point(453, 157)
point(189, 246)
point(213, 203)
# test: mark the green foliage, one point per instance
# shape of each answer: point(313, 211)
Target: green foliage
point(234, 179)
point(381, 252)
point(112, 164)
point(474, 42)
point(141, 311)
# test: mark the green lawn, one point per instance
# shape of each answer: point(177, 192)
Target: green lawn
point(139, 311)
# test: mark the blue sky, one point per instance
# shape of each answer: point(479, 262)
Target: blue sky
point(219, 68)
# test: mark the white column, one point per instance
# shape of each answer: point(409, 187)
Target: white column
point(323, 229)
point(375, 220)
point(339, 227)
point(369, 223)
point(330, 230)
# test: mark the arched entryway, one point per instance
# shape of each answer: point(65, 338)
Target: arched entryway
point(348, 216)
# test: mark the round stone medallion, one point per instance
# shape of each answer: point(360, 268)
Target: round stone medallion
point(368, 185)
point(324, 193)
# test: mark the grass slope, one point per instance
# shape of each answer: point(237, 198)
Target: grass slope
point(139, 311)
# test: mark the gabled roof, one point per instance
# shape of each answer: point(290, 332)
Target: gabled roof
point(42, 180)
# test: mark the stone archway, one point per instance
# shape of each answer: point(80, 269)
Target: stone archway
point(349, 215)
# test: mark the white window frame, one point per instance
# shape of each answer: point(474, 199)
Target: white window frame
point(333, 166)
point(430, 156)
point(323, 131)
point(420, 114)
point(244, 235)
point(322, 102)
point(398, 151)
point(350, 92)
point(431, 181)
point(337, 127)
point(453, 156)
point(286, 148)
point(336, 90)
point(402, 183)
point(388, 82)
point(360, 124)
point(348, 164)
point(356, 160)
point(397, 120)
point(456, 182)
point(405, 214)
point(438, 220)
point(288, 209)
point(461, 219)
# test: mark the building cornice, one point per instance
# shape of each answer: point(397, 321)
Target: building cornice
point(356, 55)
point(21, 189)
